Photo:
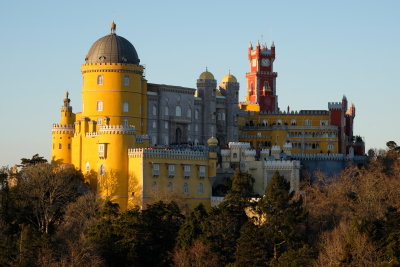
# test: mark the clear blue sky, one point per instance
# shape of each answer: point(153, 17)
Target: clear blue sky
point(324, 49)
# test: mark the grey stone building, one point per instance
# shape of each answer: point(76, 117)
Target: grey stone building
point(182, 115)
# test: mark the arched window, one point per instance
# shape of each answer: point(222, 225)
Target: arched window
point(125, 106)
point(293, 122)
point(154, 110)
point(166, 112)
point(126, 80)
point(279, 122)
point(99, 106)
point(178, 111)
point(154, 124)
point(185, 188)
point(235, 155)
point(170, 186)
point(102, 170)
point(196, 114)
point(200, 189)
point(100, 79)
point(189, 113)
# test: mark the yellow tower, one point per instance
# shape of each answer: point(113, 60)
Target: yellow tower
point(62, 134)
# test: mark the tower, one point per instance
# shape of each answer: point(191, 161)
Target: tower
point(62, 134)
point(229, 87)
point(206, 87)
point(261, 80)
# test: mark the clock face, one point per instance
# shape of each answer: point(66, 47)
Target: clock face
point(265, 62)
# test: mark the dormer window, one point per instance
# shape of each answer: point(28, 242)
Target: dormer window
point(100, 79)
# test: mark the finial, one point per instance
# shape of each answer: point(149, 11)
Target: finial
point(250, 46)
point(206, 69)
point(229, 71)
point(258, 43)
point(113, 27)
point(66, 95)
point(273, 44)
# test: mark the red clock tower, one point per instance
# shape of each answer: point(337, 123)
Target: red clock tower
point(261, 80)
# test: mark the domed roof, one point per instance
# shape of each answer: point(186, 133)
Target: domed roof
point(229, 78)
point(206, 75)
point(212, 141)
point(112, 49)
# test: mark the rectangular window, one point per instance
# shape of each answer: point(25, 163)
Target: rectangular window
point(171, 170)
point(156, 169)
point(324, 123)
point(166, 125)
point(59, 146)
point(202, 171)
point(125, 106)
point(102, 150)
point(99, 106)
point(186, 171)
point(307, 122)
point(126, 122)
point(100, 79)
point(69, 146)
point(99, 121)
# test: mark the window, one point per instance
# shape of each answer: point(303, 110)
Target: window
point(189, 113)
point(196, 141)
point(126, 80)
point(324, 123)
point(154, 140)
point(186, 171)
point(69, 146)
point(125, 106)
point(171, 170)
point(196, 114)
point(154, 124)
point(156, 169)
point(166, 142)
point(185, 188)
point(59, 146)
point(126, 123)
point(154, 187)
point(100, 79)
point(279, 122)
point(87, 168)
point(166, 111)
point(202, 171)
point(166, 125)
point(293, 122)
point(102, 150)
point(200, 189)
point(223, 116)
point(330, 146)
point(170, 186)
point(154, 110)
point(178, 111)
point(99, 106)
point(196, 128)
point(235, 155)
point(307, 122)
point(102, 170)
point(99, 121)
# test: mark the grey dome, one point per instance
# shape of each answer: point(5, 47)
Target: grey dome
point(112, 49)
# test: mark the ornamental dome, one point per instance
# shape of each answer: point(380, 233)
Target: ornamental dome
point(229, 79)
point(212, 141)
point(206, 75)
point(112, 49)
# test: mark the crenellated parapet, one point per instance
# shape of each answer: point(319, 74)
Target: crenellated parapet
point(62, 128)
point(239, 145)
point(282, 164)
point(334, 105)
point(320, 156)
point(117, 129)
point(167, 154)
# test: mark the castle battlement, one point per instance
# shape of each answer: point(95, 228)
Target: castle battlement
point(321, 156)
point(62, 128)
point(334, 105)
point(117, 129)
point(238, 145)
point(92, 134)
point(250, 152)
point(282, 164)
point(225, 152)
point(167, 154)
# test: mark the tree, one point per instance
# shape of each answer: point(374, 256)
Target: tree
point(191, 229)
point(197, 255)
point(36, 159)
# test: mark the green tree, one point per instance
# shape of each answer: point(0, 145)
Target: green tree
point(191, 229)
point(36, 159)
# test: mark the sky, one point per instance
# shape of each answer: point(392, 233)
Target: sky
point(324, 50)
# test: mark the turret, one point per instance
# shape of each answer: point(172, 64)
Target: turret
point(62, 134)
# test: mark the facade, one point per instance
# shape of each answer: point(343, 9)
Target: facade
point(135, 141)
point(264, 125)
point(180, 115)
point(101, 140)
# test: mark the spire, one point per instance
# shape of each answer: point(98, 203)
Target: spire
point(66, 100)
point(273, 44)
point(250, 46)
point(113, 27)
point(206, 69)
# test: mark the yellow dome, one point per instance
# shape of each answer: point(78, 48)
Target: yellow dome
point(206, 76)
point(229, 79)
point(212, 141)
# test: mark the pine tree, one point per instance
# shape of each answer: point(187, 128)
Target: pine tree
point(191, 229)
